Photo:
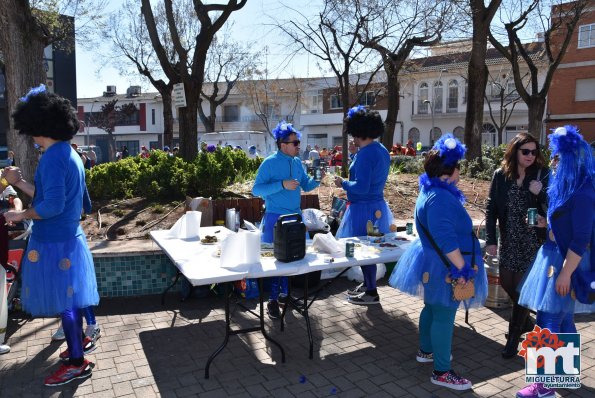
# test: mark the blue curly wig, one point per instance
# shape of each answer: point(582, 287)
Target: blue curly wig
point(354, 110)
point(450, 148)
point(575, 165)
point(283, 130)
point(34, 91)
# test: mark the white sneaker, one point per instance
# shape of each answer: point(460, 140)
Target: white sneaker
point(93, 332)
point(4, 349)
point(59, 335)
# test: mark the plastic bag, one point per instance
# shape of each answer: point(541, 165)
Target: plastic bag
point(356, 274)
point(326, 243)
point(315, 220)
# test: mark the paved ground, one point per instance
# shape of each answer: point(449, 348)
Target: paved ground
point(151, 350)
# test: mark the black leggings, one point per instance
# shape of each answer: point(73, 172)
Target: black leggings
point(509, 280)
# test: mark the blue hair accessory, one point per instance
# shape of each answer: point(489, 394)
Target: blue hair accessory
point(450, 148)
point(564, 139)
point(211, 148)
point(283, 130)
point(34, 91)
point(425, 183)
point(355, 110)
point(467, 272)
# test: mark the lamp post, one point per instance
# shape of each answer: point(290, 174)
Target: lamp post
point(432, 113)
point(89, 124)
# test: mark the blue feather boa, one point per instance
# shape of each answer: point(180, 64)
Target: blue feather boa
point(425, 183)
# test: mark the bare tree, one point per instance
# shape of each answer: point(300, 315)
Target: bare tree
point(481, 16)
point(500, 90)
point(130, 38)
point(27, 28)
point(558, 27)
point(190, 67)
point(394, 29)
point(227, 62)
point(333, 40)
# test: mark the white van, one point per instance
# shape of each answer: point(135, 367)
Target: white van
point(263, 142)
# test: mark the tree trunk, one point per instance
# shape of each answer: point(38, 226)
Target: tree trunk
point(392, 109)
point(536, 111)
point(168, 119)
point(477, 80)
point(22, 49)
point(207, 121)
point(189, 125)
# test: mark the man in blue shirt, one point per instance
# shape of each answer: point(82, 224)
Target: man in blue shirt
point(279, 181)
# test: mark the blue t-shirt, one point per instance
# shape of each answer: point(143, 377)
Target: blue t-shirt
point(367, 174)
point(59, 194)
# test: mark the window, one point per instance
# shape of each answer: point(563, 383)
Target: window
point(488, 135)
point(337, 140)
point(133, 147)
point(154, 145)
point(585, 90)
point(438, 97)
point(314, 102)
point(129, 117)
point(459, 133)
point(231, 113)
point(413, 134)
point(511, 90)
point(466, 92)
point(317, 139)
point(153, 116)
point(435, 133)
point(368, 98)
point(422, 106)
point(336, 102)
point(453, 96)
point(586, 36)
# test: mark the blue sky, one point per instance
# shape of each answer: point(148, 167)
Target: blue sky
point(249, 24)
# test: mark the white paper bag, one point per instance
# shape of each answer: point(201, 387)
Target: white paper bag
point(241, 249)
point(187, 227)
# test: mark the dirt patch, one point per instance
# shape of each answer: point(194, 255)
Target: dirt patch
point(135, 218)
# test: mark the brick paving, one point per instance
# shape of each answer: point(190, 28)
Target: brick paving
point(151, 350)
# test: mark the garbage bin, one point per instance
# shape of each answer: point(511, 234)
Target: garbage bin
point(497, 297)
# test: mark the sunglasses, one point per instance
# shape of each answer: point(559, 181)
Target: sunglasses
point(526, 151)
point(295, 143)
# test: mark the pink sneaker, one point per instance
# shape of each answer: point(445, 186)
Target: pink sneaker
point(536, 390)
point(451, 380)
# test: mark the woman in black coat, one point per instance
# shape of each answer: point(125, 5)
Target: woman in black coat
point(520, 184)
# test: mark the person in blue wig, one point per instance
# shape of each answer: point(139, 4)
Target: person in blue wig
point(365, 192)
point(445, 231)
point(279, 181)
point(58, 273)
point(551, 286)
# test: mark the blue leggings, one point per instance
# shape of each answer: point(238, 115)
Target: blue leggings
point(369, 272)
point(436, 325)
point(562, 322)
point(72, 322)
point(89, 315)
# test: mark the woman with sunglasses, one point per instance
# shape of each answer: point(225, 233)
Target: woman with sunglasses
point(365, 191)
point(279, 181)
point(518, 185)
point(549, 287)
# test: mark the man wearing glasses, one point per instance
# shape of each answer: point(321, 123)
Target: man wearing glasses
point(279, 182)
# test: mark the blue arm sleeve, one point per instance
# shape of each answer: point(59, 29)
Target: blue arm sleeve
point(363, 177)
point(263, 186)
point(582, 223)
point(53, 175)
point(441, 224)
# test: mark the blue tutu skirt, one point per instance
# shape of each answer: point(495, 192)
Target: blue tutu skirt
point(357, 215)
point(423, 274)
point(58, 276)
point(538, 291)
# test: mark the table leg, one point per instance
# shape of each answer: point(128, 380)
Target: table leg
point(227, 329)
point(262, 329)
point(229, 332)
point(169, 287)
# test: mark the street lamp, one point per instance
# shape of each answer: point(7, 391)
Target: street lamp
point(432, 113)
point(89, 124)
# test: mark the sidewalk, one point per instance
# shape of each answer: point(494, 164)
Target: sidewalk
point(151, 350)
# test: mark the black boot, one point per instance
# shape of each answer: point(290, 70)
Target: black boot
point(517, 323)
